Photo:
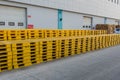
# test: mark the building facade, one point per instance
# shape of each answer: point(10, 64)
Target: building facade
point(58, 14)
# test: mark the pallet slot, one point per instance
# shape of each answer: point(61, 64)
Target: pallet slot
point(4, 53)
point(3, 61)
point(6, 68)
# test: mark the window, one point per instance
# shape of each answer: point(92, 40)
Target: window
point(2, 23)
point(11, 24)
point(20, 24)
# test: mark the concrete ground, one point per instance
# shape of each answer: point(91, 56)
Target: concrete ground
point(98, 65)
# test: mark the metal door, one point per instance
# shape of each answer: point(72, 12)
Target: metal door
point(12, 17)
point(60, 19)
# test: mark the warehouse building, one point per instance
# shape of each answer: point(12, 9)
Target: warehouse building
point(58, 14)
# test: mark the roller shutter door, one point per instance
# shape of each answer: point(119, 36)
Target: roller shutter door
point(44, 18)
point(72, 20)
point(12, 17)
point(87, 23)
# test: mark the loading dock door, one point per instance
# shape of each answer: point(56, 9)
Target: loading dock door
point(87, 23)
point(12, 17)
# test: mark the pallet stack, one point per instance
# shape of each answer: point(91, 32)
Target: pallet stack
point(5, 57)
point(92, 43)
point(48, 50)
point(54, 49)
point(12, 35)
point(77, 46)
point(100, 42)
point(22, 34)
point(51, 33)
point(63, 33)
point(32, 34)
point(84, 45)
point(39, 34)
point(24, 48)
point(45, 54)
point(88, 42)
point(21, 54)
point(34, 52)
point(73, 33)
point(71, 47)
point(63, 48)
point(3, 35)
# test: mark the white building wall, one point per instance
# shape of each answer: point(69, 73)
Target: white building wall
point(42, 17)
point(110, 21)
point(72, 20)
point(48, 18)
point(98, 20)
point(103, 8)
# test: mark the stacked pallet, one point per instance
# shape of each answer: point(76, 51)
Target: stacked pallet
point(92, 43)
point(22, 53)
point(88, 42)
point(39, 34)
point(48, 50)
point(34, 52)
point(5, 56)
point(45, 51)
point(50, 33)
point(63, 48)
point(16, 34)
point(32, 34)
point(54, 49)
point(3, 35)
point(22, 34)
point(110, 28)
point(71, 47)
point(25, 53)
point(63, 33)
point(12, 35)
